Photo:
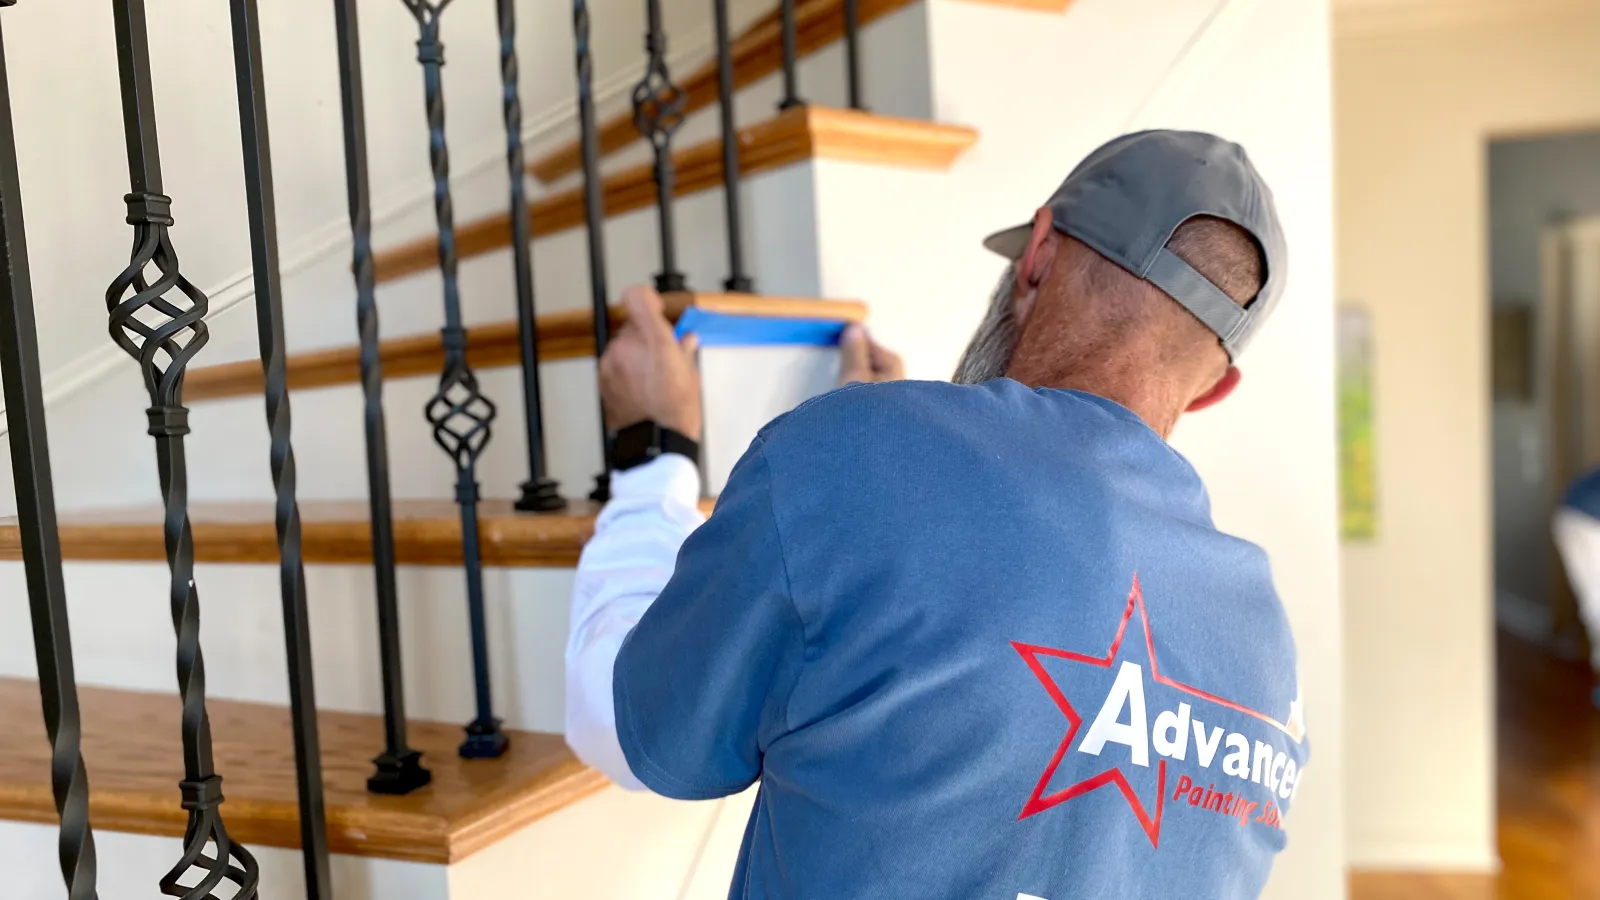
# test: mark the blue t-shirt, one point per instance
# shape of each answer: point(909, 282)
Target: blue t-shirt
point(975, 642)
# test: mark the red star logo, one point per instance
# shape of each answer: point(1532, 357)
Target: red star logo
point(1038, 801)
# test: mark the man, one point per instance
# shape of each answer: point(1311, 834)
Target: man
point(977, 640)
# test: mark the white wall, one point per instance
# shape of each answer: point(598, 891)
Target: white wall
point(1415, 107)
point(130, 865)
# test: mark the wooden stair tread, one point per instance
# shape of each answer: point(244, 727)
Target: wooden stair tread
point(805, 132)
point(132, 747)
point(426, 532)
point(757, 53)
point(562, 335)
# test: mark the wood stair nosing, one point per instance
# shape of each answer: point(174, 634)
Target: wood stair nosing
point(426, 533)
point(563, 335)
point(757, 53)
point(134, 758)
point(795, 134)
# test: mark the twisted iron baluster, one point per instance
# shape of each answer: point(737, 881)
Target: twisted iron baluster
point(180, 334)
point(791, 57)
point(737, 279)
point(594, 215)
point(540, 493)
point(262, 214)
point(852, 52)
point(461, 416)
point(399, 768)
point(148, 325)
point(36, 520)
point(657, 113)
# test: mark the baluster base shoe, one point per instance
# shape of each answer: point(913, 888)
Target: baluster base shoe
point(602, 488)
point(541, 495)
point(398, 773)
point(484, 740)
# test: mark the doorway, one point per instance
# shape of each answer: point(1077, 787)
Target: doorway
point(1544, 250)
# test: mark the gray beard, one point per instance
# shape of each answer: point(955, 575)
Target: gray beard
point(989, 355)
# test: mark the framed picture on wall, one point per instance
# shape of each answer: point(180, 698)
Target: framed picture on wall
point(1358, 482)
point(1511, 350)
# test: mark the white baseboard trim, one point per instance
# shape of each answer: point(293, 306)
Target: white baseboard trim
point(1469, 857)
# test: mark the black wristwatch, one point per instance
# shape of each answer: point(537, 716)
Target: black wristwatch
point(641, 442)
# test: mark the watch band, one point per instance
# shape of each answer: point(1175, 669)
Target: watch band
point(642, 442)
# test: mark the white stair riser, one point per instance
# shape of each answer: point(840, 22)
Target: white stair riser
point(616, 844)
point(122, 636)
point(130, 866)
point(744, 387)
point(675, 851)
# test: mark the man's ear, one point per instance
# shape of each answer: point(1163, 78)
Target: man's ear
point(1219, 391)
point(1035, 262)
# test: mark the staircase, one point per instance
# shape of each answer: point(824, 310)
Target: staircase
point(971, 109)
point(504, 816)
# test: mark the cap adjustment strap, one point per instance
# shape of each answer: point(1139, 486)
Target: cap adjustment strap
point(1198, 295)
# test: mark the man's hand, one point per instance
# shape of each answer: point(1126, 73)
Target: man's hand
point(647, 373)
point(863, 359)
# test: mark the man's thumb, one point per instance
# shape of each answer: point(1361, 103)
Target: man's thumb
point(690, 344)
point(854, 355)
point(645, 310)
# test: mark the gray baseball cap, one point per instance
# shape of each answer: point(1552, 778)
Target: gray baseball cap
point(1127, 198)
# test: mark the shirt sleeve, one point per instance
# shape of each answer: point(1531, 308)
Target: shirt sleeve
point(702, 683)
point(623, 568)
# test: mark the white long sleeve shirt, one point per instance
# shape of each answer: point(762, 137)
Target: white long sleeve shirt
point(653, 509)
point(1577, 537)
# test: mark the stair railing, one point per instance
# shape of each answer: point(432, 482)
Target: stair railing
point(738, 280)
point(594, 215)
point(158, 317)
point(399, 768)
point(261, 210)
point(461, 416)
point(540, 493)
point(791, 56)
point(36, 516)
point(657, 113)
point(157, 313)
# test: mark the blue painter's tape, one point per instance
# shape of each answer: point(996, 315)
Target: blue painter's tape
point(726, 330)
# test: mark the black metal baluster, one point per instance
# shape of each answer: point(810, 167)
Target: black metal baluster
point(657, 113)
point(399, 768)
point(594, 215)
point(540, 493)
point(459, 412)
point(737, 279)
point(852, 52)
point(36, 518)
point(262, 213)
point(147, 321)
point(791, 57)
